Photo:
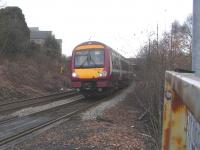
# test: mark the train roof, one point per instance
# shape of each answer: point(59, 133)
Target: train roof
point(100, 43)
point(90, 43)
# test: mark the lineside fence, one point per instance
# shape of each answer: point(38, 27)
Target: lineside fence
point(181, 112)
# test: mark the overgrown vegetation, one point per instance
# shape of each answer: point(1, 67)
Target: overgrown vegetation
point(27, 69)
point(14, 33)
point(52, 46)
point(172, 51)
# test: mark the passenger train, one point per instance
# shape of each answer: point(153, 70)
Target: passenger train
point(96, 67)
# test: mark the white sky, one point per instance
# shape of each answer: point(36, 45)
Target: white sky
point(122, 24)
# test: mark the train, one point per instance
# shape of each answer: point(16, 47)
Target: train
point(96, 67)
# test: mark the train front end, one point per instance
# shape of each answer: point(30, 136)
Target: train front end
point(90, 67)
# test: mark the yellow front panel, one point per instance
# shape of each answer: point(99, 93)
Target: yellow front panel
point(88, 73)
point(83, 47)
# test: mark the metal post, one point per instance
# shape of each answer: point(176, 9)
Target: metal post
point(157, 37)
point(196, 37)
point(149, 46)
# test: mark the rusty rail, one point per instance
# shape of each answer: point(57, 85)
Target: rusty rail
point(181, 112)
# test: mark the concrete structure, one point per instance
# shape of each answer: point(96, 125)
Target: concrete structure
point(181, 109)
point(196, 37)
point(34, 29)
point(181, 112)
point(39, 37)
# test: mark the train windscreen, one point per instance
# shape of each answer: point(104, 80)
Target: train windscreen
point(91, 58)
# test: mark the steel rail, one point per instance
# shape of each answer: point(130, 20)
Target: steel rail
point(48, 123)
point(38, 97)
point(33, 101)
point(62, 118)
point(4, 120)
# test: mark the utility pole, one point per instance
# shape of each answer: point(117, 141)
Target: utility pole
point(157, 37)
point(196, 37)
point(171, 38)
point(149, 46)
point(171, 49)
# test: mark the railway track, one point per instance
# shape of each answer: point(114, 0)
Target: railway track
point(61, 113)
point(13, 106)
point(15, 131)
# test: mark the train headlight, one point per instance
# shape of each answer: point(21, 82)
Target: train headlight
point(103, 74)
point(74, 74)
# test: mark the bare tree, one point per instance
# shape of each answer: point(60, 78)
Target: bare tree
point(170, 52)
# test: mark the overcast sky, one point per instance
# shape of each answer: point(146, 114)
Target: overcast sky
point(122, 24)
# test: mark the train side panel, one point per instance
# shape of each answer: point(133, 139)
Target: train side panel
point(120, 74)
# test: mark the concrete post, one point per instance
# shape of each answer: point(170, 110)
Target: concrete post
point(196, 37)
